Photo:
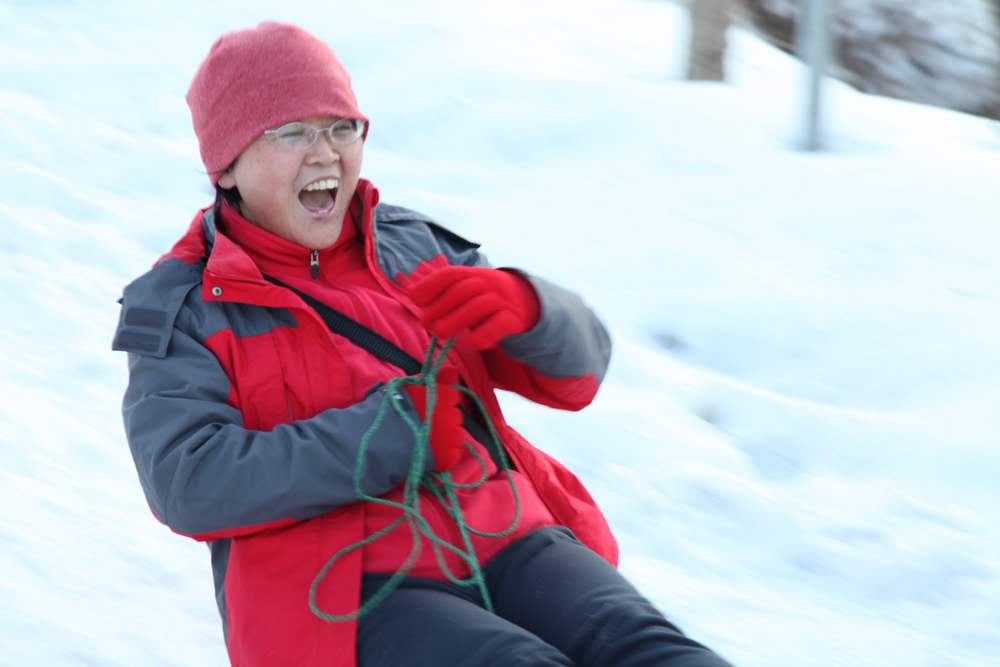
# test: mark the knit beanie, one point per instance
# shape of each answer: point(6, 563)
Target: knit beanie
point(261, 78)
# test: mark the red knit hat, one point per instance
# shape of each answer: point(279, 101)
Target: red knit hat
point(256, 79)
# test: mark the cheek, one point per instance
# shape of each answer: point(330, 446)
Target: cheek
point(352, 161)
point(269, 187)
point(268, 170)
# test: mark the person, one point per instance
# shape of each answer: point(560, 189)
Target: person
point(261, 429)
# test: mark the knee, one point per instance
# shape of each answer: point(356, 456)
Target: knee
point(641, 635)
point(518, 650)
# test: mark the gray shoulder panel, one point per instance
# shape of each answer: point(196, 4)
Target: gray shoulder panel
point(150, 305)
point(405, 238)
point(167, 296)
point(203, 319)
point(568, 341)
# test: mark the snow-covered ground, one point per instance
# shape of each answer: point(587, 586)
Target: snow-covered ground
point(797, 442)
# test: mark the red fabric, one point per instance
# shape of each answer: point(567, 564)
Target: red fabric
point(491, 303)
point(253, 80)
point(298, 371)
point(561, 393)
point(447, 436)
point(346, 284)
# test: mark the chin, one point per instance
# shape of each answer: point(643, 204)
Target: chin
point(318, 241)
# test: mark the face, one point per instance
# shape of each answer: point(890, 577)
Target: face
point(272, 179)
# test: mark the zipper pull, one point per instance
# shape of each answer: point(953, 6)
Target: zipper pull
point(314, 264)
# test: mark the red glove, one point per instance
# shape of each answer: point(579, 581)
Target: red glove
point(447, 438)
point(491, 303)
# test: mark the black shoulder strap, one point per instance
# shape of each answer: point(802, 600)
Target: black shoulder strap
point(358, 333)
point(386, 350)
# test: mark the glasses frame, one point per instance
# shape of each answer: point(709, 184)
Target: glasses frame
point(312, 133)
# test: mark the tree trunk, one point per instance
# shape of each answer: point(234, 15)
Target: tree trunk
point(710, 21)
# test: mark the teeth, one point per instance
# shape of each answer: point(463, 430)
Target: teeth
point(325, 184)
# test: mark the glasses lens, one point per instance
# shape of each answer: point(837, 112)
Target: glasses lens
point(295, 135)
point(346, 130)
point(301, 136)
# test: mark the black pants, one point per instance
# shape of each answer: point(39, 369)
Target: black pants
point(556, 603)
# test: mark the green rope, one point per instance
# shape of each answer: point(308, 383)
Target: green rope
point(440, 487)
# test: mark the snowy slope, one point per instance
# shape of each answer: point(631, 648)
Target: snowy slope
point(796, 444)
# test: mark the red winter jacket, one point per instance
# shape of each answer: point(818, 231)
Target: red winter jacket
point(244, 414)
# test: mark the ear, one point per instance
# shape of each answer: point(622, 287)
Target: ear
point(227, 180)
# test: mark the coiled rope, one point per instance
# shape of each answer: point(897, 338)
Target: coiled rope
point(439, 484)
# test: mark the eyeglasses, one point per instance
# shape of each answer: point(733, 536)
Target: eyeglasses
point(300, 136)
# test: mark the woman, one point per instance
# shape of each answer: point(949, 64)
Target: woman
point(258, 428)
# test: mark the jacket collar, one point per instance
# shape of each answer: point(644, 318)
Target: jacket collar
point(228, 261)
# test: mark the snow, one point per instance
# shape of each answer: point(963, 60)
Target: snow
point(796, 443)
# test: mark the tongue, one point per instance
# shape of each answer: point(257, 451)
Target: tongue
point(316, 200)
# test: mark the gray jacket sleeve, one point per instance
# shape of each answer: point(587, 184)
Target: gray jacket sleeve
point(206, 476)
point(568, 341)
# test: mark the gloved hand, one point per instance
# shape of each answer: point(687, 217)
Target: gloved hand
point(491, 303)
point(446, 437)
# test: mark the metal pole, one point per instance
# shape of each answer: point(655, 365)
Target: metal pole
point(813, 37)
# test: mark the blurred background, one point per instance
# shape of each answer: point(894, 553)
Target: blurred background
point(784, 211)
point(939, 53)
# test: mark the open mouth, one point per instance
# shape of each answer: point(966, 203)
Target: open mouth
point(319, 197)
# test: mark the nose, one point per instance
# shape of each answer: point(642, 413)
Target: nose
point(323, 150)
